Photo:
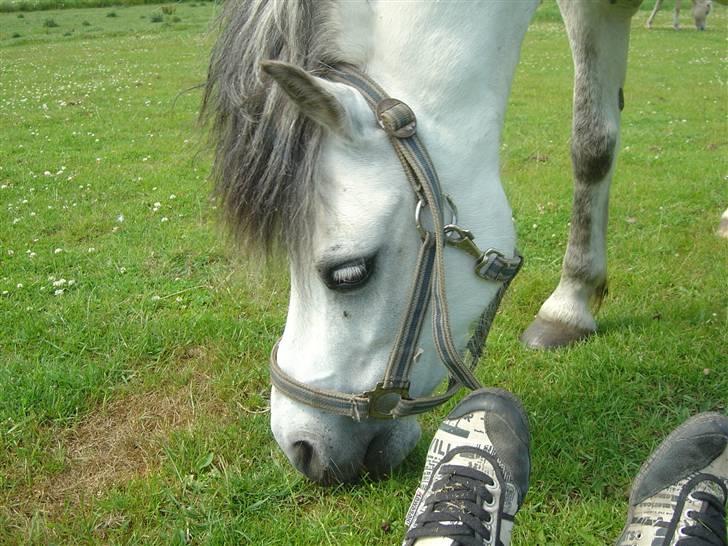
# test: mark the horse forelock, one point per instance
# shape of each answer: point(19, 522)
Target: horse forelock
point(266, 151)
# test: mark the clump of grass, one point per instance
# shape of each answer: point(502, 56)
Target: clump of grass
point(16, 35)
point(86, 24)
point(156, 18)
point(176, 19)
point(21, 16)
point(111, 14)
point(50, 23)
point(169, 10)
point(68, 33)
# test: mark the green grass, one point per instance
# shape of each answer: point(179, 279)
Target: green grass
point(132, 404)
point(89, 23)
point(7, 6)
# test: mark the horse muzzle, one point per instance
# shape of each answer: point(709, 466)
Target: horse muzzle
point(330, 449)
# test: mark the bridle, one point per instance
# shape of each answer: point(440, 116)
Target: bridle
point(390, 398)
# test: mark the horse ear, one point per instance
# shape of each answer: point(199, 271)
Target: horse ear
point(333, 105)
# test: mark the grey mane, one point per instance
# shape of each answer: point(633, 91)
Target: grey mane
point(265, 151)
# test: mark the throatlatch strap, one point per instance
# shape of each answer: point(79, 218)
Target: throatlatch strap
point(390, 398)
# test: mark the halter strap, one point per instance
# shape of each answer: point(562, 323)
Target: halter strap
point(390, 398)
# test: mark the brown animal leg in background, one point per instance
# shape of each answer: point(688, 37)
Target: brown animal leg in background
point(676, 15)
point(651, 18)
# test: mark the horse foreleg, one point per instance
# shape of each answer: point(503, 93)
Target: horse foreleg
point(676, 15)
point(599, 36)
point(651, 18)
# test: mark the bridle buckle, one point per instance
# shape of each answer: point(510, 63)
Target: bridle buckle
point(382, 400)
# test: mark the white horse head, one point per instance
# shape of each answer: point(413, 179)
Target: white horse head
point(304, 158)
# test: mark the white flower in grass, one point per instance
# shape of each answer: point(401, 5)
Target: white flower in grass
point(46, 173)
point(91, 249)
point(5, 292)
point(11, 252)
point(120, 218)
point(32, 255)
point(59, 292)
point(173, 196)
point(156, 298)
point(19, 285)
point(59, 283)
point(71, 282)
point(165, 219)
point(58, 251)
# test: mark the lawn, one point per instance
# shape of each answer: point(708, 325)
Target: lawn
point(134, 336)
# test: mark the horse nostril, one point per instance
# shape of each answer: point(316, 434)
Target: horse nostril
point(302, 455)
point(309, 462)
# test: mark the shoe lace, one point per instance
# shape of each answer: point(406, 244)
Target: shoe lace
point(709, 527)
point(456, 510)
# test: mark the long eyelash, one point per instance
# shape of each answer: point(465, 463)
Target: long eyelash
point(349, 273)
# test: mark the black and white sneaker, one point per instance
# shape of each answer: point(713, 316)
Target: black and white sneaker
point(679, 496)
point(476, 475)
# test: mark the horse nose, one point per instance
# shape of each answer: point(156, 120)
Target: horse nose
point(379, 460)
point(313, 462)
point(302, 454)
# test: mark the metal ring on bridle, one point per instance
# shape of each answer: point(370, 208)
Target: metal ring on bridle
point(422, 204)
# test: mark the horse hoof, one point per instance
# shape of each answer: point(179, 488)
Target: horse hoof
point(547, 334)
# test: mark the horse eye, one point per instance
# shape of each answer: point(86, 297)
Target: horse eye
point(349, 275)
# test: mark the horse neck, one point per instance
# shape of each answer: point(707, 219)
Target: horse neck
point(454, 68)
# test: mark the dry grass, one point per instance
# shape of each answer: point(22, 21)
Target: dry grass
point(122, 440)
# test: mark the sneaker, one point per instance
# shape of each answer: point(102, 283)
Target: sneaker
point(679, 495)
point(476, 475)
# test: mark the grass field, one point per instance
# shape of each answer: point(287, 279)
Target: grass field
point(134, 338)
point(8, 6)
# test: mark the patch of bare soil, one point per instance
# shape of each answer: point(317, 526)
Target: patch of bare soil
point(122, 440)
